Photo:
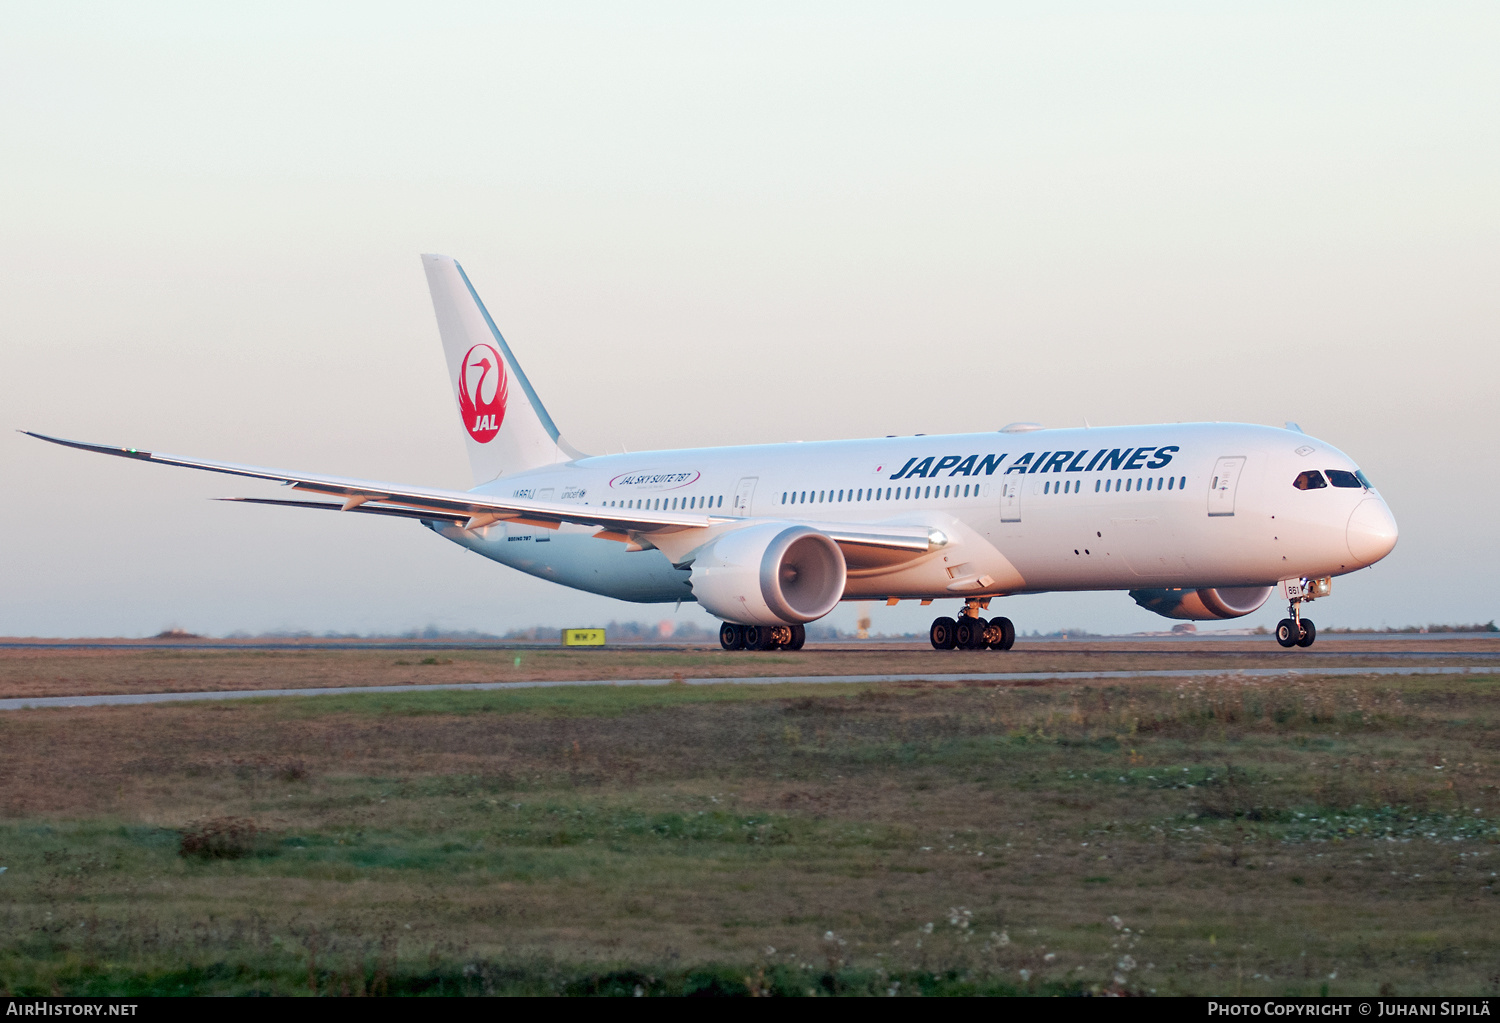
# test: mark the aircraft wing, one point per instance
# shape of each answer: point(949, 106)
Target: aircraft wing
point(473, 511)
point(470, 509)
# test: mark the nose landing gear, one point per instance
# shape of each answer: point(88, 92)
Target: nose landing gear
point(970, 631)
point(1296, 630)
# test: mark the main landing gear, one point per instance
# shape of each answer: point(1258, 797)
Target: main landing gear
point(971, 632)
point(761, 637)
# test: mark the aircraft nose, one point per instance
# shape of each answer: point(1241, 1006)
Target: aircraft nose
point(1372, 531)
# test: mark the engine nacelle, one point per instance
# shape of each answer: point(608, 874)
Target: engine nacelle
point(1204, 604)
point(770, 574)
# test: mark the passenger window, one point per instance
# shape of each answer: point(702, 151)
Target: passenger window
point(1170, 481)
point(1046, 488)
point(1312, 479)
point(1182, 483)
point(945, 491)
point(1344, 478)
point(1096, 486)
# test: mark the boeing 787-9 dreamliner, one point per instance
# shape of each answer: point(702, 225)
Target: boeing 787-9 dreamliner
point(1194, 520)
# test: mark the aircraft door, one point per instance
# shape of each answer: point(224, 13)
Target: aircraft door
point(1010, 500)
point(743, 495)
point(1221, 487)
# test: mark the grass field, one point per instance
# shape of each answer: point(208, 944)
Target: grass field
point(1216, 836)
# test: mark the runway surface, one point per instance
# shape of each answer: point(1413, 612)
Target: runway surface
point(1094, 644)
point(128, 699)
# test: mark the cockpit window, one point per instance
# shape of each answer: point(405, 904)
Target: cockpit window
point(1344, 478)
point(1312, 479)
point(1364, 479)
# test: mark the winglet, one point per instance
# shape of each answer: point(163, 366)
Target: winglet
point(103, 449)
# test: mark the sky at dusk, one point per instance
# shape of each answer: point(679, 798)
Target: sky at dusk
point(711, 224)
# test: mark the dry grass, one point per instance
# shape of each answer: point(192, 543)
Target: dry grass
point(1216, 836)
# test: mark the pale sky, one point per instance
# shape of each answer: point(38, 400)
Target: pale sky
point(705, 224)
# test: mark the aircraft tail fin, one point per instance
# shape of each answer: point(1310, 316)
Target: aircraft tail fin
point(507, 428)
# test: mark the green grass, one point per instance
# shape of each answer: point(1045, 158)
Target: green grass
point(1277, 837)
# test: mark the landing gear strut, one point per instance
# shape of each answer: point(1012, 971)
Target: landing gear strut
point(972, 632)
point(1296, 630)
point(762, 637)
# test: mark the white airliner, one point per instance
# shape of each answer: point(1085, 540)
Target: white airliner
point(1195, 520)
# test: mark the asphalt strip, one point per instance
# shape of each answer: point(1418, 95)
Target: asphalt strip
point(125, 699)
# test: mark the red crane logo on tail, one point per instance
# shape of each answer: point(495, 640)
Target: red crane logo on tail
point(482, 373)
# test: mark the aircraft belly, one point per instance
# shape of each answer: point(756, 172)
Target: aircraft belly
point(578, 560)
point(1099, 545)
point(968, 565)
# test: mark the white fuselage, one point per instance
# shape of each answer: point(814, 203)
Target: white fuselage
point(1173, 505)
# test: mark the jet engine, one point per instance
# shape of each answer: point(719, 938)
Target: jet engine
point(1203, 604)
point(770, 574)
